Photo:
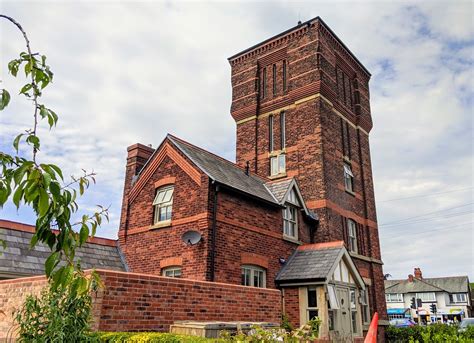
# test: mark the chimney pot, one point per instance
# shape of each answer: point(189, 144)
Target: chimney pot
point(410, 278)
point(418, 273)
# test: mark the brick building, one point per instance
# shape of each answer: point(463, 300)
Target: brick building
point(295, 212)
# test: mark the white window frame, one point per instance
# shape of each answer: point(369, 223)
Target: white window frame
point(454, 298)
point(352, 235)
point(251, 271)
point(290, 221)
point(311, 308)
point(348, 178)
point(353, 309)
point(163, 201)
point(364, 305)
point(173, 271)
point(394, 297)
point(426, 297)
point(277, 164)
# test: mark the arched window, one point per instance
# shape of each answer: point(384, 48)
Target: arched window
point(253, 276)
point(174, 271)
point(163, 204)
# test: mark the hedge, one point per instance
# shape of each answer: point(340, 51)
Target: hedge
point(150, 337)
point(432, 333)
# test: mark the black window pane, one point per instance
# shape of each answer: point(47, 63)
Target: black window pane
point(312, 314)
point(312, 302)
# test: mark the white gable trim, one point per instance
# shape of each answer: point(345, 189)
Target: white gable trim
point(294, 185)
point(344, 255)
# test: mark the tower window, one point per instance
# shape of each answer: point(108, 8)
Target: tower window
point(163, 204)
point(282, 130)
point(274, 79)
point(352, 234)
point(270, 134)
point(277, 164)
point(284, 75)
point(348, 178)
point(264, 82)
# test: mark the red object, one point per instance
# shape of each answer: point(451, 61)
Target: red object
point(372, 333)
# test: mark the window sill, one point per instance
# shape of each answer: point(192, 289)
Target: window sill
point(277, 152)
point(350, 192)
point(160, 225)
point(292, 240)
point(277, 176)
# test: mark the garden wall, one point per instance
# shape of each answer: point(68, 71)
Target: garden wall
point(140, 302)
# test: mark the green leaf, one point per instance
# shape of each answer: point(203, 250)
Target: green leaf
point(16, 141)
point(55, 190)
point(4, 99)
point(51, 262)
point(26, 88)
point(57, 170)
point(46, 180)
point(34, 140)
point(13, 67)
point(43, 203)
point(33, 241)
point(17, 196)
point(84, 234)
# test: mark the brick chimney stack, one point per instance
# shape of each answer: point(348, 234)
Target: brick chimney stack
point(418, 273)
point(410, 278)
point(137, 155)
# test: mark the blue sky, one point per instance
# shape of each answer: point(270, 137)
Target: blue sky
point(128, 72)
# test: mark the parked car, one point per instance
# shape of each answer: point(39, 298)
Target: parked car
point(402, 322)
point(465, 323)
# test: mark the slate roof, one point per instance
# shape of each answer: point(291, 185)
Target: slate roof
point(452, 284)
point(279, 188)
point(224, 171)
point(19, 260)
point(310, 264)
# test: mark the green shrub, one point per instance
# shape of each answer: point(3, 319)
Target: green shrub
point(435, 333)
point(56, 315)
point(149, 337)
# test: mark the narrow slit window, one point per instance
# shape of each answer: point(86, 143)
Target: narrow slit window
point(270, 134)
point(284, 75)
point(264, 82)
point(274, 79)
point(282, 130)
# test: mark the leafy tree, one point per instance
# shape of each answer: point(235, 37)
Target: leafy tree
point(26, 180)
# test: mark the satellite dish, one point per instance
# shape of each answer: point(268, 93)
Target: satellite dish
point(191, 237)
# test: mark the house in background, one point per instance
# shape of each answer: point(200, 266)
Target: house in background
point(441, 299)
point(19, 260)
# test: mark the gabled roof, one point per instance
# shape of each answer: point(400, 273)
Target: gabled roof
point(19, 260)
point(450, 284)
point(225, 172)
point(316, 263)
point(282, 189)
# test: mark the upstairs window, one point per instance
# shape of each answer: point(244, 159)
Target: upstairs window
point(253, 276)
point(277, 164)
point(163, 204)
point(352, 235)
point(458, 298)
point(284, 75)
point(394, 297)
point(426, 297)
point(171, 272)
point(290, 221)
point(264, 82)
point(348, 178)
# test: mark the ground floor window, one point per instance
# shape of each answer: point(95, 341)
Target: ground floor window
point(171, 271)
point(353, 301)
point(312, 306)
point(253, 276)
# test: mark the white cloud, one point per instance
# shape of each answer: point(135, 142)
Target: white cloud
point(130, 72)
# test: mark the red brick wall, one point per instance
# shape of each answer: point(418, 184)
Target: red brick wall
point(292, 305)
point(247, 227)
point(137, 302)
point(145, 247)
